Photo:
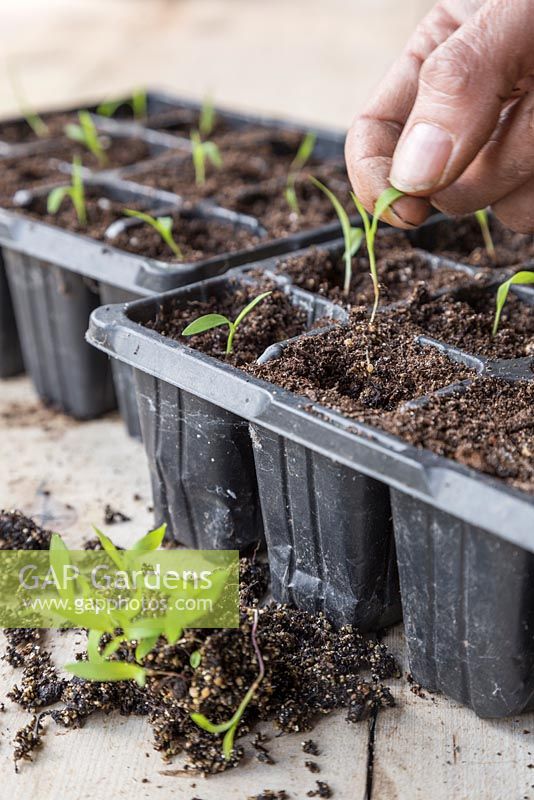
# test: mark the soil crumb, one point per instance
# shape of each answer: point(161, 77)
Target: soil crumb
point(311, 669)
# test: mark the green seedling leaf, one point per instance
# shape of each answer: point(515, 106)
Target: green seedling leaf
point(138, 103)
point(110, 549)
point(162, 225)
point(152, 541)
point(93, 643)
point(209, 321)
point(205, 323)
point(55, 199)
point(75, 192)
point(213, 154)
point(386, 199)
point(204, 723)
point(195, 658)
point(86, 133)
point(113, 646)
point(145, 646)
point(483, 220)
point(107, 671)
point(350, 234)
point(304, 152)
point(206, 121)
point(522, 277)
point(60, 562)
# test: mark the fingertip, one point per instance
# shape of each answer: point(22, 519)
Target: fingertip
point(407, 213)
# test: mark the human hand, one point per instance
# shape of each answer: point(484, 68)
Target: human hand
point(452, 124)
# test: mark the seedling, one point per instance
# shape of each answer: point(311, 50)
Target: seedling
point(523, 277)
point(229, 727)
point(483, 221)
point(302, 157)
point(210, 321)
point(206, 121)
point(75, 192)
point(163, 225)
point(36, 123)
point(138, 103)
point(203, 152)
point(86, 133)
point(353, 236)
point(386, 199)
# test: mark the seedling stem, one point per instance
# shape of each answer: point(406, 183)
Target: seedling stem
point(86, 133)
point(163, 225)
point(75, 191)
point(483, 221)
point(210, 321)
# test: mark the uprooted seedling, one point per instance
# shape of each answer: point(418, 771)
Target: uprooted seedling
point(522, 277)
point(209, 321)
point(75, 192)
point(86, 134)
point(483, 220)
point(230, 727)
point(138, 103)
point(302, 157)
point(162, 225)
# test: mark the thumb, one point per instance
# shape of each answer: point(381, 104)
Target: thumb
point(463, 86)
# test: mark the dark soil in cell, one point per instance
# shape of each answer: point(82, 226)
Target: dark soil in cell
point(178, 175)
point(362, 370)
point(465, 319)
point(19, 132)
point(461, 239)
point(310, 670)
point(28, 173)
point(32, 171)
point(197, 239)
point(489, 426)
point(268, 204)
point(248, 157)
point(101, 212)
point(272, 320)
point(399, 268)
point(181, 121)
point(18, 532)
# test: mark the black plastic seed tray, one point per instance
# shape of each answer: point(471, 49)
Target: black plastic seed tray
point(56, 277)
point(200, 456)
point(10, 352)
point(465, 541)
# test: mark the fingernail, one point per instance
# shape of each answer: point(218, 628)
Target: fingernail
point(421, 159)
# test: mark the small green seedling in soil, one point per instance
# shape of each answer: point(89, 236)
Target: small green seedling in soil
point(353, 236)
point(203, 152)
point(36, 123)
point(206, 121)
point(523, 277)
point(138, 103)
point(75, 192)
point(303, 155)
point(210, 321)
point(86, 133)
point(483, 221)
point(229, 727)
point(386, 199)
point(163, 225)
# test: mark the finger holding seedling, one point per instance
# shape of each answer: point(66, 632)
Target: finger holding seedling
point(450, 109)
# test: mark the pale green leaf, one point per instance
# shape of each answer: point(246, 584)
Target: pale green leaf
point(145, 646)
point(248, 308)
point(151, 541)
point(522, 277)
point(205, 323)
point(107, 671)
point(55, 199)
